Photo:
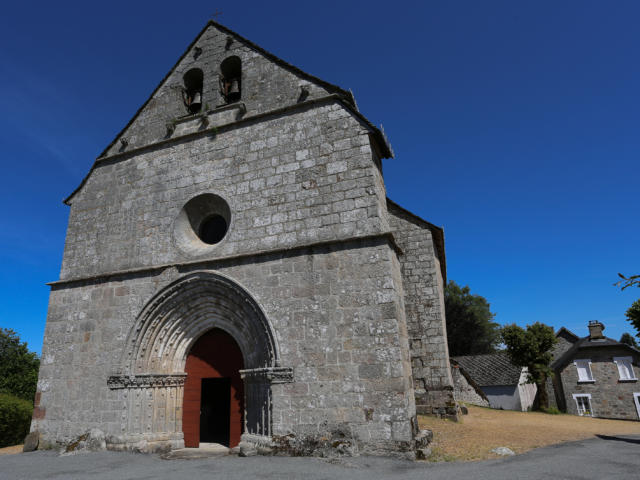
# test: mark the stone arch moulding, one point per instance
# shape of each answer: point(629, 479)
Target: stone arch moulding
point(150, 374)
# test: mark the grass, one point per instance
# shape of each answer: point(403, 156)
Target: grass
point(11, 450)
point(485, 429)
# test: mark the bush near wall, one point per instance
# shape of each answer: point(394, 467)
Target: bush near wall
point(15, 418)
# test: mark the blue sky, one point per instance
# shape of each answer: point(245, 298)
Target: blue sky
point(515, 127)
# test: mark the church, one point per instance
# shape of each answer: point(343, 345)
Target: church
point(234, 271)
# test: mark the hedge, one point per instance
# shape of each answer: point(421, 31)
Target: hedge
point(15, 419)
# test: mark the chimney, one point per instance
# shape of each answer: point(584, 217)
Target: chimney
point(595, 330)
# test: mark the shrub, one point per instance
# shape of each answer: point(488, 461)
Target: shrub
point(551, 410)
point(15, 418)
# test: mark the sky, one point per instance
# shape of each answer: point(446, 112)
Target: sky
point(514, 125)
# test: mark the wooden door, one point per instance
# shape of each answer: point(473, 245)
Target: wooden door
point(213, 392)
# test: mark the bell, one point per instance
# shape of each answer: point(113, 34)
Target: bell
point(196, 101)
point(233, 90)
point(234, 87)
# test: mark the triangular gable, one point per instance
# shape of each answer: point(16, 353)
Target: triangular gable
point(345, 97)
point(567, 334)
point(348, 96)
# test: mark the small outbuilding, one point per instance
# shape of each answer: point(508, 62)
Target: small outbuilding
point(502, 383)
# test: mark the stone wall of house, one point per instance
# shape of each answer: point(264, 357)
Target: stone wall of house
point(610, 397)
point(338, 318)
point(463, 391)
point(424, 304)
point(553, 385)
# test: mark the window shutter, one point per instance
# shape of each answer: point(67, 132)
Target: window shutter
point(584, 371)
point(625, 368)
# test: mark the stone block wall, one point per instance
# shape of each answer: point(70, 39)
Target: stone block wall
point(297, 178)
point(464, 391)
point(338, 318)
point(424, 304)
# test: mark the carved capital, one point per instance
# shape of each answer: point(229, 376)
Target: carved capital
point(269, 374)
point(146, 380)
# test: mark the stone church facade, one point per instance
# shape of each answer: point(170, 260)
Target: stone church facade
point(235, 242)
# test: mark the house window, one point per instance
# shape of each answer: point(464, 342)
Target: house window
point(583, 403)
point(584, 370)
point(625, 368)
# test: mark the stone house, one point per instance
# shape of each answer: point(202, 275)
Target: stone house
point(233, 269)
point(595, 375)
point(503, 383)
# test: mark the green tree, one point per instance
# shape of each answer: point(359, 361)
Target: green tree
point(470, 326)
point(629, 340)
point(18, 366)
point(531, 348)
point(633, 315)
point(15, 419)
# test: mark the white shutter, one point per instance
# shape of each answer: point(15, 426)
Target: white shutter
point(625, 368)
point(584, 370)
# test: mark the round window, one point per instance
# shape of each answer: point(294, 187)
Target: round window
point(213, 229)
point(203, 221)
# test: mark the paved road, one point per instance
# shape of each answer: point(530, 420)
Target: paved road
point(600, 458)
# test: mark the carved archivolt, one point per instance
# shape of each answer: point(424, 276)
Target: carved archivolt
point(179, 314)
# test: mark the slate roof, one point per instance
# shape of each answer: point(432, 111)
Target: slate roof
point(490, 370)
point(586, 342)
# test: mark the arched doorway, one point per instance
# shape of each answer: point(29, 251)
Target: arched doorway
point(213, 391)
point(152, 370)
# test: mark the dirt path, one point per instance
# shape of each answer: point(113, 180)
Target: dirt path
point(484, 429)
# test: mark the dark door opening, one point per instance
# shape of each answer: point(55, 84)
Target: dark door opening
point(215, 410)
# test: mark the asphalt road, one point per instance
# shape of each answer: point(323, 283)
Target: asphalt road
point(600, 458)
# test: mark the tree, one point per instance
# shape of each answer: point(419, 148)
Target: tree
point(629, 340)
point(531, 348)
point(633, 315)
point(18, 366)
point(470, 326)
point(627, 282)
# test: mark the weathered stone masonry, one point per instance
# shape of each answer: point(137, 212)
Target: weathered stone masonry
point(332, 294)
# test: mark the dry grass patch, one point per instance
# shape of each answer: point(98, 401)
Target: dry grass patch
point(485, 429)
point(11, 450)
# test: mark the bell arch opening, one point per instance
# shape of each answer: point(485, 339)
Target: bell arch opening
point(171, 326)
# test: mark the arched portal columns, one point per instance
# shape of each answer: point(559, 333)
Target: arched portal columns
point(150, 374)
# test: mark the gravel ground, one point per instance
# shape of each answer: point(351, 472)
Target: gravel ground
point(613, 458)
point(485, 429)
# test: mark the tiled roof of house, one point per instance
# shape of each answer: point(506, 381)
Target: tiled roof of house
point(587, 342)
point(491, 369)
